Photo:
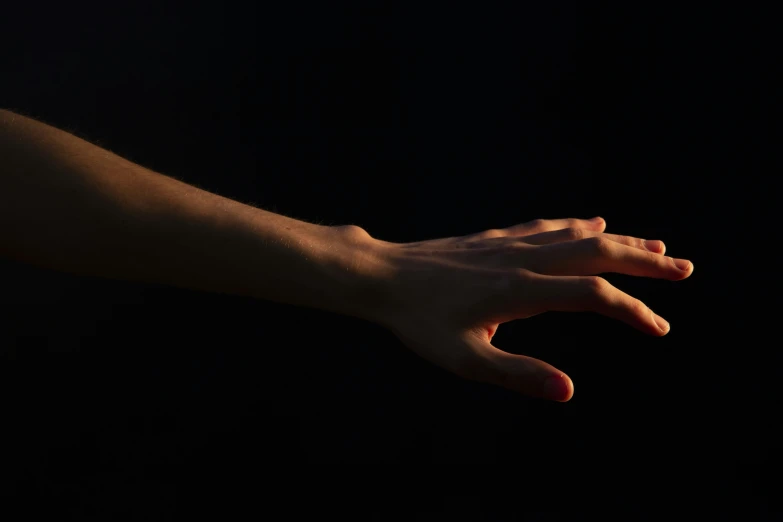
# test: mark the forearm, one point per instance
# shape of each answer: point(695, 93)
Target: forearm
point(68, 205)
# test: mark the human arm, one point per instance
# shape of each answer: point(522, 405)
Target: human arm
point(68, 205)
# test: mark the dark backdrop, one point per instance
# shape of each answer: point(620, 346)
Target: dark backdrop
point(125, 401)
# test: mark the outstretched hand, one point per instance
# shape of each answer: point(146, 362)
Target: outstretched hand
point(445, 298)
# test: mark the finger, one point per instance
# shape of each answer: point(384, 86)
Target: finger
point(518, 373)
point(590, 294)
point(599, 255)
point(574, 234)
point(545, 225)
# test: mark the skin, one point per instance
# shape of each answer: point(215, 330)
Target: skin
point(450, 295)
point(68, 205)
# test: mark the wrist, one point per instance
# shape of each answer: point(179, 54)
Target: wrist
point(362, 264)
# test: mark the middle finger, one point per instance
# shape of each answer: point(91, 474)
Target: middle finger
point(572, 234)
point(597, 255)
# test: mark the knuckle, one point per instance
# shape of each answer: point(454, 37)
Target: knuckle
point(650, 259)
point(598, 246)
point(638, 307)
point(655, 259)
point(596, 286)
point(519, 245)
point(537, 223)
point(523, 275)
point(574, 233)
point(491, 234)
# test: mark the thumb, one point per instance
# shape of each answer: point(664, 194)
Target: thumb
point(519, 373)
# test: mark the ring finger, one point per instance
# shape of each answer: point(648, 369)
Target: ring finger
point(573, 234)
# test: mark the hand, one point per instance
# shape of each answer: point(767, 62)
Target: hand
point(445, 298)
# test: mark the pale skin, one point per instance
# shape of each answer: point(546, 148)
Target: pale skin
point(69, 205)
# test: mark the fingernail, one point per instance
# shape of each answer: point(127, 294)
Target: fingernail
point(556, 388)
point(596, 219)
point(653, 245)
point(682, 264)
point(662, 323)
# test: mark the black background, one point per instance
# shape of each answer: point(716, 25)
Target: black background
point(126, 401)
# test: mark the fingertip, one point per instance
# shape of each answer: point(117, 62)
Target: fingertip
point(558, 388)
point(663, 325)
point(684, 268)
point(598, 221)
